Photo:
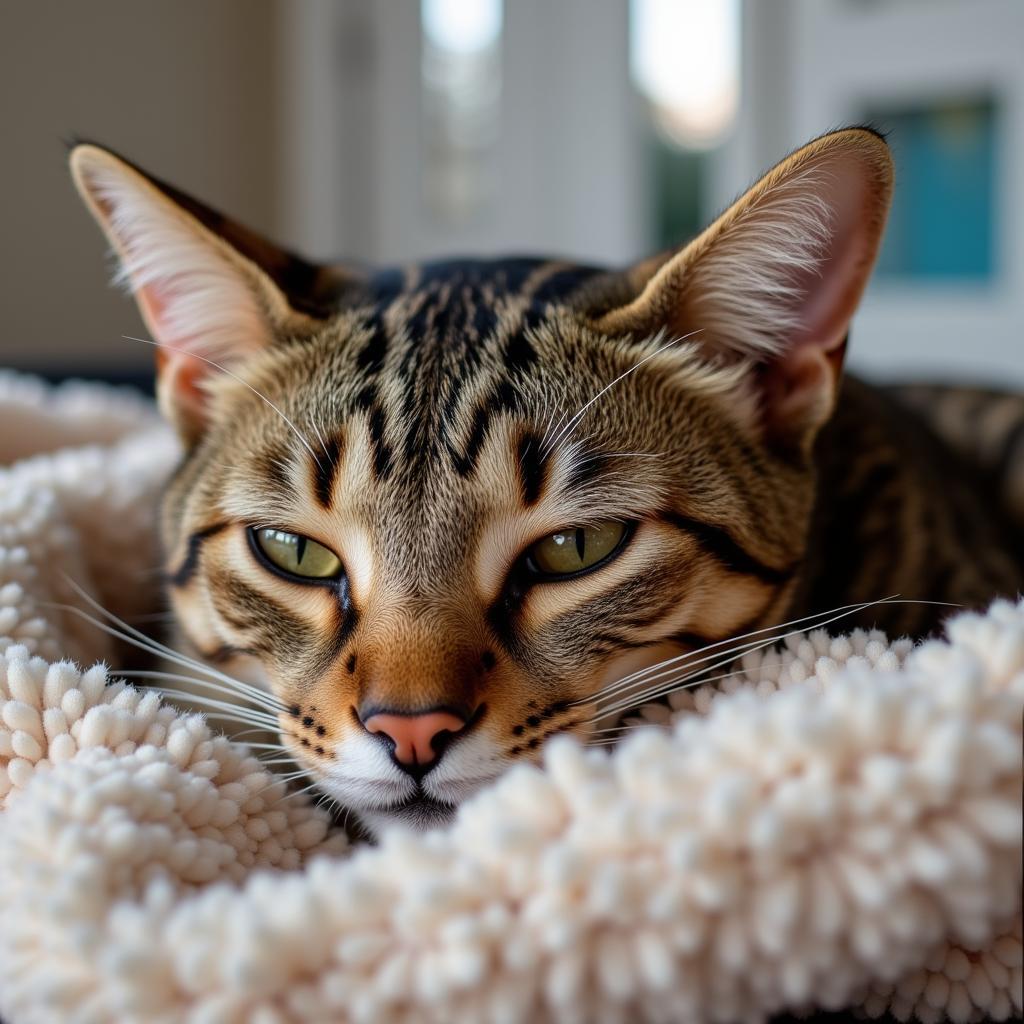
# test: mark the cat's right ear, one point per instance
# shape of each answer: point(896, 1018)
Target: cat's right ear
point(211, 292)
point(776, 279)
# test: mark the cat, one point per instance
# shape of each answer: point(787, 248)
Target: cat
point(451, 509)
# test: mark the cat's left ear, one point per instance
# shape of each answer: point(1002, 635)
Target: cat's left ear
point(210, 291)
point(776, 279)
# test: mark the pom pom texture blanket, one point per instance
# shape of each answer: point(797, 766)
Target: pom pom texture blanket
point(841, 828)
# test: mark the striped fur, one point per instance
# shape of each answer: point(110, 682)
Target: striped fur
point(439, 418)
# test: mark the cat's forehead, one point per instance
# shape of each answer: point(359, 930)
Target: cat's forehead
point(448, 394)
point(436, 369)
point(534, 278)
point(432, 354)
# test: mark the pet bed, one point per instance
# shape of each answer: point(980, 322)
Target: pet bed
point(841, 829)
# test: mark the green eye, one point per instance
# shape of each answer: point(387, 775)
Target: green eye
point(571, 551)
point(297, 555)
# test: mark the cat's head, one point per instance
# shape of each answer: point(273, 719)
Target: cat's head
point(447, 507)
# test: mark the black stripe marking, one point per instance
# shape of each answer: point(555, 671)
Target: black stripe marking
point(586, 470)
point(532, 468)
point(504, 399)
point(325, 470)
point(519, 353)
point(465, 464)
point(717, 542)
point(278, 632)
point(272, 465)
point(382, 459)
point(484, 318)
point(381, 449)
point(184, 573)
point(371, 355)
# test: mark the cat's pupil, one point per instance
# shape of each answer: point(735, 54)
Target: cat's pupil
point(581, 542)
point(300, 549)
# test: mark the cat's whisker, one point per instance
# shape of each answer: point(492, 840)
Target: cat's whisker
point(549, 409)
point(237, 737)
point(657, 673)
point(698, 677)
point(139, 639)
point(685, 682)
point(277, 757)
point(277, 780)
point(157, 617)
point(659, 670)
point(319, 436)
point(223, 716)
point(241, 714)
point(568, 429)
point(714, 649)
point(661, 689)
point(143, 644)
point(610, 728)
point(244, 383)
point(546, 439)
point(301, 792)
point(206, 683)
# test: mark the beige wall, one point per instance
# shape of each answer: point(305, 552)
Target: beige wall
point(184, 87)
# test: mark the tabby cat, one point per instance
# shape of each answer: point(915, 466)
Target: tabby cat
point(446, 509)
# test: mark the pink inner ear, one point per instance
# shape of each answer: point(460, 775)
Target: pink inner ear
point(180, 373)
point(180, 391)
point(155, 301)
point(832, 291)
point(800, 384)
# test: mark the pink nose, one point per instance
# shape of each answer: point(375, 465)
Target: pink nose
point(414, 735)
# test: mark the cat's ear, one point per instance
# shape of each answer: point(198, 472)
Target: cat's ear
point(210, 291)
point(777, 277)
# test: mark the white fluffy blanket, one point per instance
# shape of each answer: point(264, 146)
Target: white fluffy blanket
point(841, 830)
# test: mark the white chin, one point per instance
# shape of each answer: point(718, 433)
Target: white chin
point(419, 815)
point(366, 781)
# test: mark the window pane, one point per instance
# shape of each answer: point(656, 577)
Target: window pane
point(685, 63)
point(942, 224)
point(461, 74)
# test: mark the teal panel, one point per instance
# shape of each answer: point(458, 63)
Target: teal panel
point(943, 220)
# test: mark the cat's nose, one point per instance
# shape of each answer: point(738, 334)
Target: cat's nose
point(417, 739)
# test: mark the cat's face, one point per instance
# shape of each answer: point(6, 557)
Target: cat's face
point(445, 510)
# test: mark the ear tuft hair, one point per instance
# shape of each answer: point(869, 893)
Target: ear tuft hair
point(195, 293)
point(776, 279)
point(751, 290)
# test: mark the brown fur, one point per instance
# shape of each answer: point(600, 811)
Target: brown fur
point(428, 400)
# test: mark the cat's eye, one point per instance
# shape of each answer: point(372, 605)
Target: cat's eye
point(296, 555)
point(569, 552)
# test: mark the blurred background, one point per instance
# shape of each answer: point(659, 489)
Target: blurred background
point(600, 129)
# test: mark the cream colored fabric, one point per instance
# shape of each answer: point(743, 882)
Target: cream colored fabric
point(841, 829)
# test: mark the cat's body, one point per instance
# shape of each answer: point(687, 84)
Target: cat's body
point(451, 510)
point(917, 501)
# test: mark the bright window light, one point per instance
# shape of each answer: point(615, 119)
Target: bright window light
point(461, 26)
point(460, 68)
point(685, 57)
